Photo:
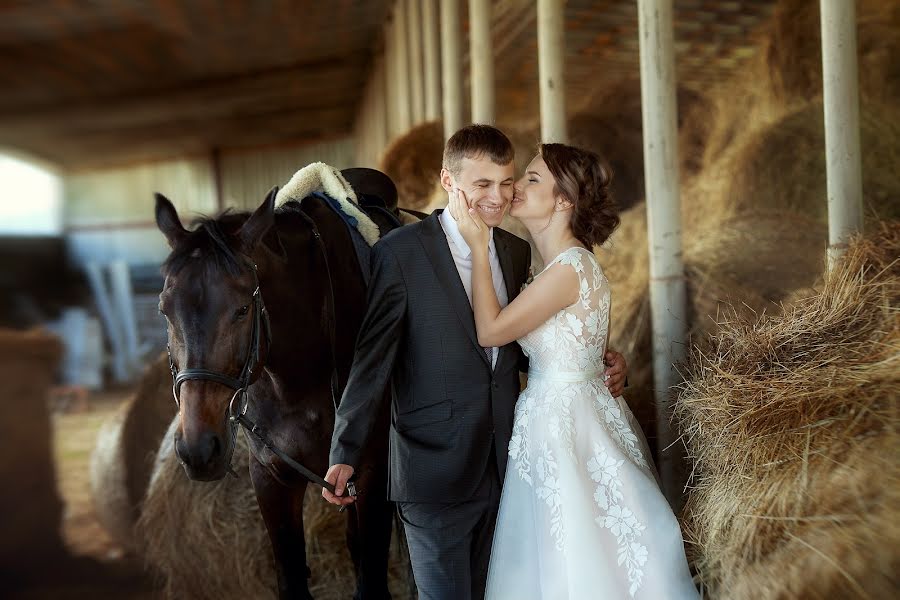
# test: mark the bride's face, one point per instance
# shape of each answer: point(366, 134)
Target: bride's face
point(533, 198)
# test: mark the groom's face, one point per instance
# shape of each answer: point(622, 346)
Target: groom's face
point(487, 185)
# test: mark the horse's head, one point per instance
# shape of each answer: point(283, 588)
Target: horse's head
point(217, 327)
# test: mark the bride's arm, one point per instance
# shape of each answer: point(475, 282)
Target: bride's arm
point(554, 290)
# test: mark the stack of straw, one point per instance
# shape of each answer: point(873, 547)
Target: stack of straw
point(207, 540)
point(792, 426)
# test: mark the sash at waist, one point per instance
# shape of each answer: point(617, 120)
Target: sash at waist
point(565, 376)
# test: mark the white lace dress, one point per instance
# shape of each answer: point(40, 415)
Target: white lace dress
point(581, 515)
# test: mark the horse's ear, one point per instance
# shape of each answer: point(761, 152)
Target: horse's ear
point(262, 219)
point(168, 222)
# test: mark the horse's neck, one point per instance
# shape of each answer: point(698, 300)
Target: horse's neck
point(304, 286)
point(294, 295)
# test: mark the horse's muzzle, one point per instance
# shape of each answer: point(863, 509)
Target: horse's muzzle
point(207, 458)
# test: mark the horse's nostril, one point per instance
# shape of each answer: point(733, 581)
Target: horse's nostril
point(180, 448)
point(216, 448)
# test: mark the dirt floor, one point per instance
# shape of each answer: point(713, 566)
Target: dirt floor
point(96, 568)
point(75, 433)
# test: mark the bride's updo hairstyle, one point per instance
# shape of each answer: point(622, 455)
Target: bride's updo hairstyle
point(583, 179)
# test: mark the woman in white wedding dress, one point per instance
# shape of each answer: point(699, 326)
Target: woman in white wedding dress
point(581, 513)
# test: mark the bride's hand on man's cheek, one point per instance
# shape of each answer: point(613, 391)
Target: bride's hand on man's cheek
point(472, 228)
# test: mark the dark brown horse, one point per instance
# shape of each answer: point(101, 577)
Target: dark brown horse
point(219, 323)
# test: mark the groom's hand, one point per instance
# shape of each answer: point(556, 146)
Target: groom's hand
point(338, 476)
point(615, 373)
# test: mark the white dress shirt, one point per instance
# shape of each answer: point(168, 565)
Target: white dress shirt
point(462, 256)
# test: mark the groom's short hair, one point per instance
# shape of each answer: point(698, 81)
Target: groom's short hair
point(474, 141)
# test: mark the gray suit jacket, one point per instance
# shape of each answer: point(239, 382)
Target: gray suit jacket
point(450, 409)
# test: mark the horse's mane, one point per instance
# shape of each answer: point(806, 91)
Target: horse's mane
point(211, 241)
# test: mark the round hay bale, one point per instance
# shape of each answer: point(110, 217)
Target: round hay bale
point(792, 423)
point(30, 505)
point(207, 540)
point(123, 458)
point(413, 162)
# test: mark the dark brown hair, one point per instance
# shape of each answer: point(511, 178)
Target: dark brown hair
point(583, 179)
point(473, 141)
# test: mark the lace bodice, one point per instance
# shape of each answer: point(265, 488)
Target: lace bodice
point(574, 339)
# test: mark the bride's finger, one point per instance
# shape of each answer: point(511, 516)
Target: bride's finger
point(460, 205)
point(476, 218)
point(454, 204)
point(464, 199)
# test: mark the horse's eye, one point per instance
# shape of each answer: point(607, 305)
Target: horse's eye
point(242, 311)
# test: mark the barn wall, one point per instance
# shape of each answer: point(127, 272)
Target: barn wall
point(108, 213)
point(247, 176)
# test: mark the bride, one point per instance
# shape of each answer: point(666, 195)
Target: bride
point(581, 513)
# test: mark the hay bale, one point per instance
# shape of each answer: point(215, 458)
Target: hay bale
point(785, 74)
point(207, 540)
point(30, 506)
point(754, 229)
point(792, 51)
point(413, 162)
point(610, 124)
point(792, 423)
point(123, 458)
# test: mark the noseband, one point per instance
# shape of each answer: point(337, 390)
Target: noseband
point(259, 328)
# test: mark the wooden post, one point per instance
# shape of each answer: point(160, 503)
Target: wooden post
point(431, 41)
point(841, 102)
point(370, 126)
point(551, 52)
point(381, 135)
point(451, 67)
point(667, 281)
point(481, 61)
point(416, 75)
point(401, 76)
point(390, 80)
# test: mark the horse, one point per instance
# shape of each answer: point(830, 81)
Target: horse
point(263, 311)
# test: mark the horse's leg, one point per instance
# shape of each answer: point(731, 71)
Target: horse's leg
point(369, 534)
point(282, 511)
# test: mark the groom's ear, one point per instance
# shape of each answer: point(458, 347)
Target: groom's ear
point(447, 180)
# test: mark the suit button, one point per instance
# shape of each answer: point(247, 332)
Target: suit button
point(495, 385)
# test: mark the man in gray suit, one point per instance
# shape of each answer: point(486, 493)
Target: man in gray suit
point(452, 400)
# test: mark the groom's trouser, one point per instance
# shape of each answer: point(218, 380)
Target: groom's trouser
point(450, 544)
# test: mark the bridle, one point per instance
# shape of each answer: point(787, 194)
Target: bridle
point(259, 331)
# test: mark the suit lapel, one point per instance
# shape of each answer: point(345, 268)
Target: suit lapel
point(509, 278)
point(434, 241)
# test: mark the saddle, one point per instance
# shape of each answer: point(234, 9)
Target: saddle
point(365, 200)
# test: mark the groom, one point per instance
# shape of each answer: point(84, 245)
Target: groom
point(453, 401)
